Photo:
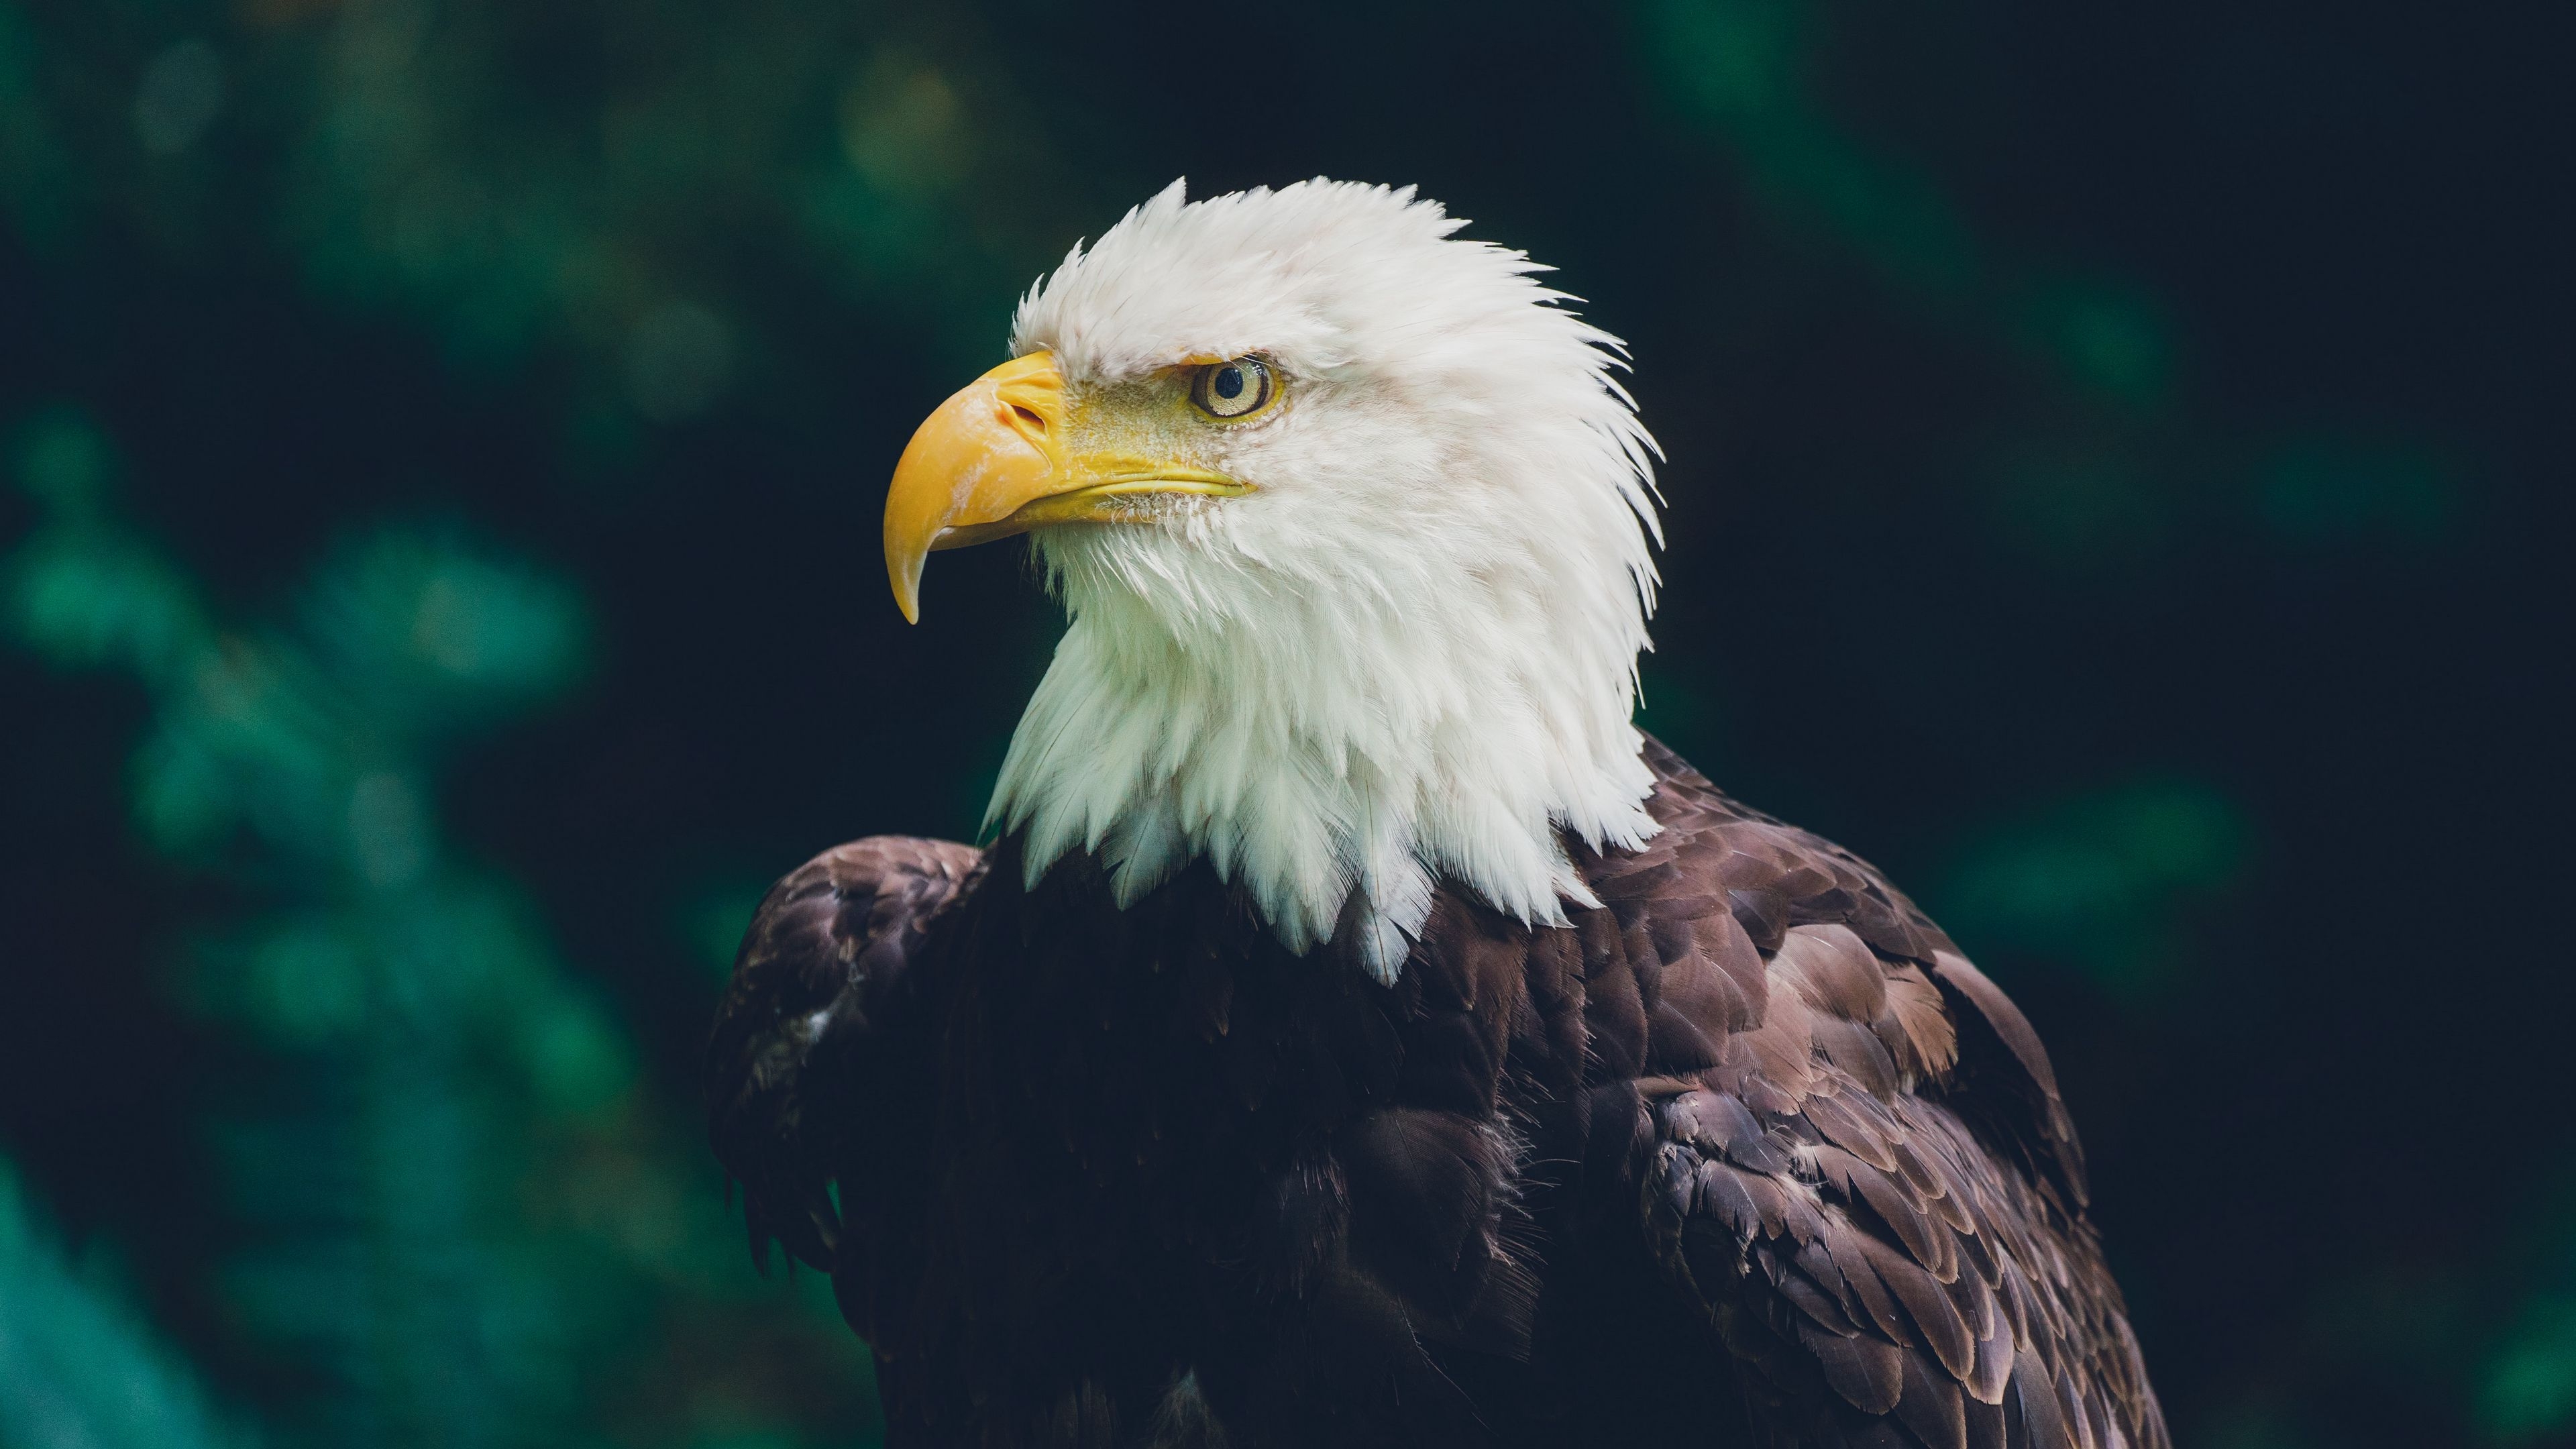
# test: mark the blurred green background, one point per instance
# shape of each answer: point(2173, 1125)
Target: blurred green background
point(2112, 482)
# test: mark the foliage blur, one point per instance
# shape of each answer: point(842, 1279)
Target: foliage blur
point(2110, 486)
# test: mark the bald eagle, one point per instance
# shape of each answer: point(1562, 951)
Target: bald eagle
point(1357, 1032)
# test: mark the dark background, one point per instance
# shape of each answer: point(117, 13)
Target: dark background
point(2116, 484)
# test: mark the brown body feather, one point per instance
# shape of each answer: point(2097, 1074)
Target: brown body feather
point(1748, 1155)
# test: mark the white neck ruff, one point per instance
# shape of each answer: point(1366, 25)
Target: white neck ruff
point(1331, 756)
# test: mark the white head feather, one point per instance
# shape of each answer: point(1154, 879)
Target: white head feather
point(1408, 656)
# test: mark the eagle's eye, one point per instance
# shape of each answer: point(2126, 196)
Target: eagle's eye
point(1235, 388)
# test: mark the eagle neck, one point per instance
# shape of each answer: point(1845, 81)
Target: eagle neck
point(1334, 758)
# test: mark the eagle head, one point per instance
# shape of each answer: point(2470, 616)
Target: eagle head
point(1352, 527)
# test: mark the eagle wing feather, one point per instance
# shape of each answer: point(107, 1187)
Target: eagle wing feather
point(825, 977)
point(1860, 1166)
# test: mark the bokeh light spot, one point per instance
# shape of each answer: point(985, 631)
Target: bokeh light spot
point(388, 828)
point(180, 95)
point(679, 360)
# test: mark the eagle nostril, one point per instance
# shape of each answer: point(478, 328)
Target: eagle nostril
point(1030, 420)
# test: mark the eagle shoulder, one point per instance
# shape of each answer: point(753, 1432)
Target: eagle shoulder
point(1854, 1154)
point(822, 987)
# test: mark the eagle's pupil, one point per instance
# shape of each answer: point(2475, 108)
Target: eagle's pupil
point(1229, 382)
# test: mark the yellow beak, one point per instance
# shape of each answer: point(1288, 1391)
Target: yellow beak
point(997, 459)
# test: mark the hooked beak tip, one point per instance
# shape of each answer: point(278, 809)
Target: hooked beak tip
point(907, 588)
